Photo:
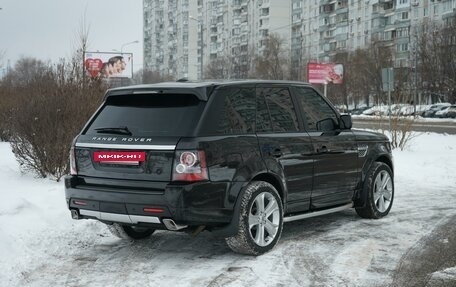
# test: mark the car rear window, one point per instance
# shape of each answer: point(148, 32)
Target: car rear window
point(150, 114)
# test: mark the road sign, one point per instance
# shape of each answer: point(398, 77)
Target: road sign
point(388, 79)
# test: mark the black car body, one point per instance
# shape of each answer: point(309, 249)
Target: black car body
point(204, 144)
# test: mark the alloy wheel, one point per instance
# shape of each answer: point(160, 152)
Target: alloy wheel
point(383, 191)
point(264, 219)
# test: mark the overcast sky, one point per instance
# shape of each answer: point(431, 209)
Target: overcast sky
point(46, 29)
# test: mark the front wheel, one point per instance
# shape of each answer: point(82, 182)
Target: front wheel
point(379, 189)
point(129, 232)
point(260, 220)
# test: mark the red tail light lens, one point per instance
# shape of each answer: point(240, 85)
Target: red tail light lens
point(80, 202)
point(153, 210)
point(190, 166)
point(73, 168)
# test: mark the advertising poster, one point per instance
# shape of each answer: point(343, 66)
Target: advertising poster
point(108, 65)
point(325, 73)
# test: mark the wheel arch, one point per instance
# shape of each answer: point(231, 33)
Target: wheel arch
point(232, 228)
point(360, 196)
point(386, 160)
point(274, 181)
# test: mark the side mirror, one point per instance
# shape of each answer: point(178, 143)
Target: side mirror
point(346, 122)
point(326, 125)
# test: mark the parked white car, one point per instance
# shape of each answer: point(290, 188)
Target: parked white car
point(443, 112)
point(376, 111)
point(431, 110)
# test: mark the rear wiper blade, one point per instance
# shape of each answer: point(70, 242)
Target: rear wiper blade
point(119, 130)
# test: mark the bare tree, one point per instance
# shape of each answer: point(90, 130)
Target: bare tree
point(220, 68)
point(80, 47)
point(46, 112)
point(151, 77)
point(436, 68)
point(355, 78)
point(273, 62)
point(46, 104)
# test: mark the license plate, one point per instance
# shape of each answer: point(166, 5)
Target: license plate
point(119, 157)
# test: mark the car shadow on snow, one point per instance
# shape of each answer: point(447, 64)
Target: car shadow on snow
point(206, 244)
point(180, 255)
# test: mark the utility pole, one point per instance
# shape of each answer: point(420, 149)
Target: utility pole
point(202, 48)
point(300, 56)
point(388, 86)
point(83, 67)
point(200, 22)
point(416, 77)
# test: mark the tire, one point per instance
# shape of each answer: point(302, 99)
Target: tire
point(129, 232)
point(261, 205)
point(379, 188)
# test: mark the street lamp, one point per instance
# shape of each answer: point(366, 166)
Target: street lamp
point(201, 43)
point(126, 44)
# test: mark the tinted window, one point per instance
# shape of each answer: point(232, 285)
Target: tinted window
point(237, 114)
point(314, 107)
point(281, 110)
point(150, 114)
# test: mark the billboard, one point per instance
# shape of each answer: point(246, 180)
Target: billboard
point(325, 73)
point(108, 65)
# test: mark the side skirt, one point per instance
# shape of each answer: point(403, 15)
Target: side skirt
point(317, 213)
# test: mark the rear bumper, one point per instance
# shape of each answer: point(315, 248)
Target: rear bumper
point(206, 203)
point(121, 218)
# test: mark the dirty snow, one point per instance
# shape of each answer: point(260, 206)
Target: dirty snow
point(40, 245)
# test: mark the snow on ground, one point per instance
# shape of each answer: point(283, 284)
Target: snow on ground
point(40, 245)
point(416, 120)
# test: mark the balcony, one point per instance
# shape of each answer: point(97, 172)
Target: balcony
point(328, 9)
point(342, 10)
point(323, 28)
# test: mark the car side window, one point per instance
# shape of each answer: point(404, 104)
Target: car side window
point(238, 113)
point(263, 120)
point(314, 108)
point(279, 107)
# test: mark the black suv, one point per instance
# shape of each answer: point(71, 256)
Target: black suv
point(235, 158)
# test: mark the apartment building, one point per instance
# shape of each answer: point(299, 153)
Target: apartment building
point(182, 36)
point(305, 36)
point(346, 25)
point(170, 37)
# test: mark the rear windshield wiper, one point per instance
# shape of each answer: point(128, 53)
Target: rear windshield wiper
point(119, 130)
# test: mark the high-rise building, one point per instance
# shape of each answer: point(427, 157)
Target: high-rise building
point(182, 36)
point(170, 37)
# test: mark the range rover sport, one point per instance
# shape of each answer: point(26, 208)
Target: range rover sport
point(235, 158)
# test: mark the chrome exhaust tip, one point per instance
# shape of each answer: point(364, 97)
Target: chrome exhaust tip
point(173, 226)
point(75, 214)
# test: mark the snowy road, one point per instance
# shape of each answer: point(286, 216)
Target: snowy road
point(433, 125)
point(42, 246)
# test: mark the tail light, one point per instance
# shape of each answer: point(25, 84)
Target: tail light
point(190, 166)
point(73, 168)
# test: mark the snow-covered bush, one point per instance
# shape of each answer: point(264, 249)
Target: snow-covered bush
point(48, 105)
